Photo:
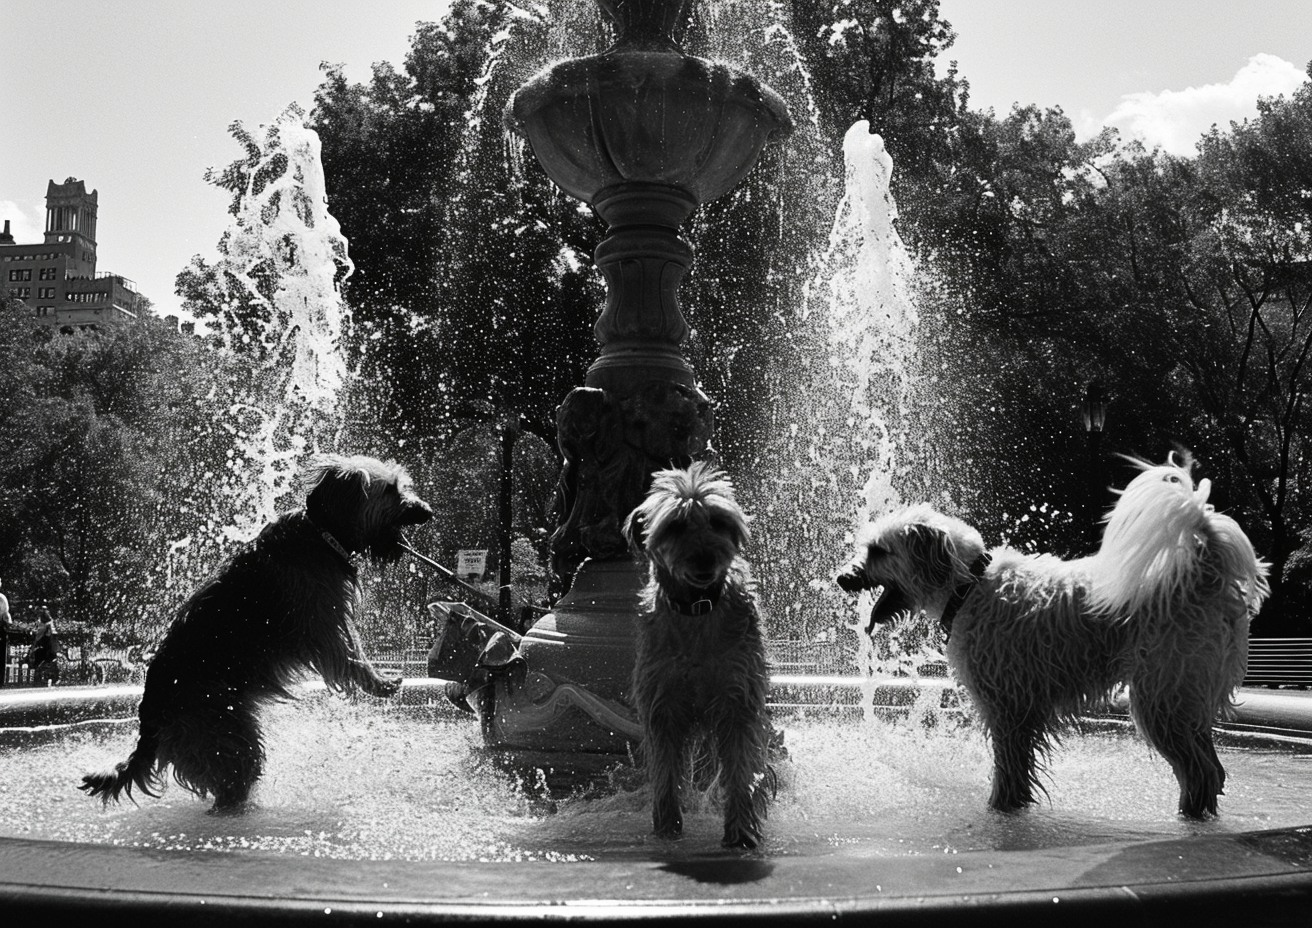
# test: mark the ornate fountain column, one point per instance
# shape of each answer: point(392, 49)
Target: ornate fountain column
point(644, 133)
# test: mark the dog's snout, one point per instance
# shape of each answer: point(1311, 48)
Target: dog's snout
point(703, 562)
point(853, 579)
point(416, 512)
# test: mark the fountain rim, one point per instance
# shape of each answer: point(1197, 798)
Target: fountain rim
point(967, 888)
point(1255, 873)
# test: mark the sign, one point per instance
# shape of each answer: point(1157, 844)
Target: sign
point(471, 562)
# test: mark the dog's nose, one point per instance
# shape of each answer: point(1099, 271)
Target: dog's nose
point(853, 580)
point(416, 512)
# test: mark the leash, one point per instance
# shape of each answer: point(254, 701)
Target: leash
point(959, 595)
point(450, 575)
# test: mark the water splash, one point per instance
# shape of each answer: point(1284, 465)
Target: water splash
point(286, 258)
point(865, 290)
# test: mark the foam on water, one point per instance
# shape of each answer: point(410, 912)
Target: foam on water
point(355, 781)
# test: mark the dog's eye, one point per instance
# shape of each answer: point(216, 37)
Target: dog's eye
point(1171, 478)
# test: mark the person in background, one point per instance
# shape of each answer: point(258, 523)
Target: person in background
point(6, 623)
point(43, 657)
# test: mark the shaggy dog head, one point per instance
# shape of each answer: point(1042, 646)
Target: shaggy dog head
point(915, 557)
point(362, 502)
point(690, 527)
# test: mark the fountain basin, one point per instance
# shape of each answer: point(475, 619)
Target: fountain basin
point(844, 871)
point(650, 117)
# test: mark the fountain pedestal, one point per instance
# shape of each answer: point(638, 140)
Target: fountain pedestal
point(644, 133)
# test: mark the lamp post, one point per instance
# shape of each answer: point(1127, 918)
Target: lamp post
point(1093, 410)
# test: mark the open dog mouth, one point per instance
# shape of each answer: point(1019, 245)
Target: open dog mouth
point(387, 546)
point(889, 604)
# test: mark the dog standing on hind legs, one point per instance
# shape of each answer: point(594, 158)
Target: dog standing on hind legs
point(283, 605)
point(700, 653)
point(1163, 607)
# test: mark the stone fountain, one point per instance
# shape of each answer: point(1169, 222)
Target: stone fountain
point(644, 133)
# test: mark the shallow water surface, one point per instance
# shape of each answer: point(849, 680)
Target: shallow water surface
point(346, 780)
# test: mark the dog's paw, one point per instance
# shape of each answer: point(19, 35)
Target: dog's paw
point(231, 807)
point(669, 827)
point(741, 836)
point(385, 686)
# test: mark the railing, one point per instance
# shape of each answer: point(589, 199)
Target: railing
point(409, 662)
point(1272, 662)
point(123, 281)
point(1279, 662)
point(812, 658)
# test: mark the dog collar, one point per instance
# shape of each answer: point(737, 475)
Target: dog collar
point(703, 605)
point(332, 542)
point(959, 595)
point(336, 546)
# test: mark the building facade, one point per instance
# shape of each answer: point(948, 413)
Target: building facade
point(58, 278)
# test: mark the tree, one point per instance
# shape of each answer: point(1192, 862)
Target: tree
point(1244, 324)
point(104, 492)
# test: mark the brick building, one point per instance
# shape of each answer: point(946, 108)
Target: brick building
point(58, 278)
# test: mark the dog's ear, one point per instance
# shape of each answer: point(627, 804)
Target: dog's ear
point(634, 534)
point(928, 549)
point(334, 492)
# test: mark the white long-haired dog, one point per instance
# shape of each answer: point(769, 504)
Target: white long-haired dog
point(1163, 607)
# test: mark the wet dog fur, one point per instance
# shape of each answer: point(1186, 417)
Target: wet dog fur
point(284, 605)
point(1163, 607)
point(700, 665)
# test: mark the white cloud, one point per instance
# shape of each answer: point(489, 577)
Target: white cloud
point(26, 222)
point(1176, 119)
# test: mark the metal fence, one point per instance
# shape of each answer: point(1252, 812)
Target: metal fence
point(1272, 662)
point(1279, 662)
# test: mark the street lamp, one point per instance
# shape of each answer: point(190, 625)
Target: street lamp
point(1094, 412)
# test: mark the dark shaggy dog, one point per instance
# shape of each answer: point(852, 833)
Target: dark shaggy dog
point(282, 606)
point(700, 654)
point(1037, 641)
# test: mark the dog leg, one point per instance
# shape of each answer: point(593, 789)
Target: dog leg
point(664, 748)
point(741, 745)
point(1187, 747)
point(221, 755)
point(1201, 777)
point(1017, 746)
point(359, 670)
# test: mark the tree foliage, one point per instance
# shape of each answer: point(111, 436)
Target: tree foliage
point(1183, 286)
point(110, 442)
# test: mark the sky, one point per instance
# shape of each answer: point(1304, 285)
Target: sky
point(135, 97)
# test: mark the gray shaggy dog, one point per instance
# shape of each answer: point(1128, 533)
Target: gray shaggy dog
point(700, 665)
point(1163, 607)
point(284, 605)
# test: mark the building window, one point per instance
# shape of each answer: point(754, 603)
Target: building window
point(20, 293)
point(24, 274)
point(45, 293)
point(47, 273)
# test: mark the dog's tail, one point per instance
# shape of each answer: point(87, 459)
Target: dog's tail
point(1161, 537)
point(1148, 552)
point(140, 770)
